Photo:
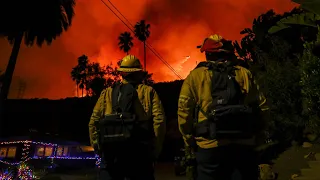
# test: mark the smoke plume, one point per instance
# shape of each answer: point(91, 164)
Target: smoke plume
point(177, 27)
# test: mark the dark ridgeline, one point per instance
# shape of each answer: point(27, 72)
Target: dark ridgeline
point(67, 117)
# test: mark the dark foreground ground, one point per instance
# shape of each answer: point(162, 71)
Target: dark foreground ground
point(289, 162)
point(164, 171)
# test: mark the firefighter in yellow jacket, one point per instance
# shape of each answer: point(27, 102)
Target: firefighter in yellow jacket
point(128, 150)
point(219, 112)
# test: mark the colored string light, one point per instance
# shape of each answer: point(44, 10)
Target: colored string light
point(98, 160)
point(25, 172)
point(28, 142)
point(25, 156)
point(6, 175)
point(55, 157)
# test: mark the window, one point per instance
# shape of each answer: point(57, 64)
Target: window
point(86, 149)
point(65, 151)
point(48, 151)
point(3, 152)
point(40, 151)
point(12, 152)
point(60, 151)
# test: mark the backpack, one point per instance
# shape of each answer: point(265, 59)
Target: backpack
point(228, 117)
point(118, 127)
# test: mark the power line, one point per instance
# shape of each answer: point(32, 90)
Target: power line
point(147, 44)
point(120, 13)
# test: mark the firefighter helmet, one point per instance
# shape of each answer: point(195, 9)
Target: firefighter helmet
point(130, 63)
point(216, 43)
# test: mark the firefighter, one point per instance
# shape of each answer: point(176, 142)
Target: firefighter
point(128, 149)
point(228, 107)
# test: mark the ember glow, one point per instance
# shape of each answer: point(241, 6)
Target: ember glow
point(177, 27)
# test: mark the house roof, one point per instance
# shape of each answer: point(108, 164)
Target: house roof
point(41, 139)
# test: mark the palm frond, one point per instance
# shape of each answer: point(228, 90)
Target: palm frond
point(141, 30)
point(41, 21)
point(310, 5)
point(304, 19)
point(125, 41)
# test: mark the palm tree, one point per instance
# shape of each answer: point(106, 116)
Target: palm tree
point(83, 71)
point(125, 42)
point(308, 18)
point(76, 76)
point(36, 22)
point(141, 31)
point(310, 5)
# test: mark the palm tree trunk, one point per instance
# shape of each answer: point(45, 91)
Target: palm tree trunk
point(77, 90)
point(8, 76)
point(145, 56)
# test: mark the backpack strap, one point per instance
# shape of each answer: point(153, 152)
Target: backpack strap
point(115, 97)
point(228, 68)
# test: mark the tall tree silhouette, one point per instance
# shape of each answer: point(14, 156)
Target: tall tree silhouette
point(80, 72)
point(92, 77)
point(141, 31)
point(125, 42)
point(35, 21)
point(76, 76)
point(95, 80)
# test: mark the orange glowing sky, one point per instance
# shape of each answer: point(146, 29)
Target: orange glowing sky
point(177, 27)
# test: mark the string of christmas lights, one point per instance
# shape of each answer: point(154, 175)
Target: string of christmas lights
point(26, 150)
point(24, 171)
point(28, 142)
point(57, 157)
